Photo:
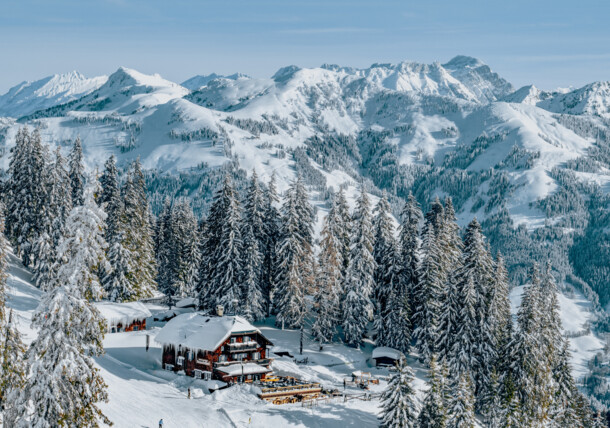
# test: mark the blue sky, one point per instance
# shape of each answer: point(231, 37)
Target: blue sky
point(547, 43)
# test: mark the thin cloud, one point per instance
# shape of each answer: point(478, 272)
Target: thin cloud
point(330, 30)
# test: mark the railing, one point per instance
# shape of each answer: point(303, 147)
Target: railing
point(243, 346)
point(262, 362)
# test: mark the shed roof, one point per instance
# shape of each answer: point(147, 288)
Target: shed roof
point(384, 351)
point(246, 368)
point(124, 313)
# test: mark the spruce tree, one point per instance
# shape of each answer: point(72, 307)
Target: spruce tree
point(386, 271)
point(478, 267)
point(330, 278)
point(77, 178)
point(450, 244)
point(344, 228)
point(398, 399)
point(64, 387)
point(116, 282)
point(461, 404)
point(138, 234)
point(359, 278)
point(254, 241)
point(272, 235)
point(13, 367)
point(462, 357)
point(293, 265)
point(429, 293)
point(223, 254)
point(434, 411)
point(253, 298)
point(27, 206)
point(110, 198)
point(531, 368)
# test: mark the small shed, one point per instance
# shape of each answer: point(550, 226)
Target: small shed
point(385, 356)
point(121, 317)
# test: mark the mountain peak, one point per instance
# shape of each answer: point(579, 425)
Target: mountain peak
point(201, 80)
point(463, 61)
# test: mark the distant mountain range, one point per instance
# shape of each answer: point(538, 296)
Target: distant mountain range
point(455, 129)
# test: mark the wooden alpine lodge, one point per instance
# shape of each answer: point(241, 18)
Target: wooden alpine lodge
point(225, 348)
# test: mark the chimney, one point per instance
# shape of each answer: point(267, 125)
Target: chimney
point(220, 310)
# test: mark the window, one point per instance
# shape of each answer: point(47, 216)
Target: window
point(180, 361)
point(169, 367)
point(249, 377)
point(256, 356)
point(233, 339)
point(246, 338)
point(191, 355)
point(135, 328)
point(222, 358)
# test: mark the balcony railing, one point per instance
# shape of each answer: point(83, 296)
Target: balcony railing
point(261, 361)
point(243, 346)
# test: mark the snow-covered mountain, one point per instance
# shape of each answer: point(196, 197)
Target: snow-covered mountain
point(511, 157)
point(28, 97)
point(199, 81)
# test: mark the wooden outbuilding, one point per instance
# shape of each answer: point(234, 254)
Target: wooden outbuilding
point(121, 317)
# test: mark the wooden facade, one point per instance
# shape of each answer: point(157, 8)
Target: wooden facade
point(135, 325)
point(240, 347)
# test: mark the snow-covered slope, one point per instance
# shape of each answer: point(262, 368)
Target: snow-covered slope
point(197, 82)
point(389, 123)
point(134, 374)
point(28, 97)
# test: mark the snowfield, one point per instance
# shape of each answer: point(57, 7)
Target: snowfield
point(141, 392)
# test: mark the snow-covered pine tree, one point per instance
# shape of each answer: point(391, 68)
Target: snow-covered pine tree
point(253, 299)
point(330, 278)
point(164, 249)
point(430, 290)
point(138, 237)
point(530, 368)
point(344, 228)
point(462, 357)
point(116, 282)
point(409, 245)
point(359, 278)
point(289, 295)
point(461, 403)
point(450, 244)
point(478, 267)
point(44, 256)
point(13, 367)
point(500, 307)
point(60, 197)
point(110, 198)
point(434, 411)
point(563, 413)
point(63, 386)
point(551, 332)
point(185, 237)
point(385, 275)
point(5, 248)
point(272, 235)
point(305, 216)
point(27, 206)
point(77, 177)
point(224, 251)
point(254, 241)
point(492, 402)
point(398, 400)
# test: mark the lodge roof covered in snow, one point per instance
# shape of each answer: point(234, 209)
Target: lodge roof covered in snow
point(198, 331)
point(385, 352)
point(123, 313)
